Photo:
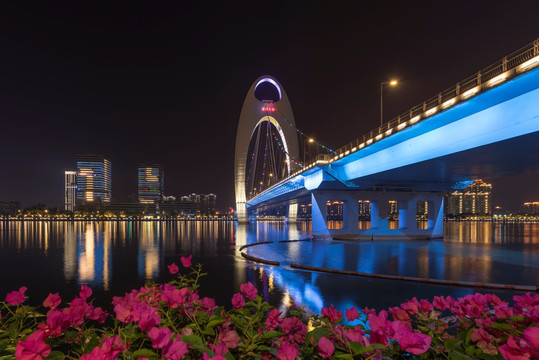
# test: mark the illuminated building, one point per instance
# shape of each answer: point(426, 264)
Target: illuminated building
point(531, 208)
point(151, 183)
point(473, 200)
point(93, 179)
point(364, 211)
point(70, 190)
point(334, 210)
point(205, 204)
point(9, 207)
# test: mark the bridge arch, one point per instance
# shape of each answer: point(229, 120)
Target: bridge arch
point(251, 116)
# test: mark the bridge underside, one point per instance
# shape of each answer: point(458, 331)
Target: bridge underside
point(505, 158)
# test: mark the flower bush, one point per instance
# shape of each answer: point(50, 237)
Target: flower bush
point(172, 321)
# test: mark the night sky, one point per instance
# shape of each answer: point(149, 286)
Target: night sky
point(149, 82)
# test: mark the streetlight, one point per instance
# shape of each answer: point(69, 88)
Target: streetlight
point(382, 84)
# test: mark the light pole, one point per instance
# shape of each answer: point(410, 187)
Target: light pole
point(382, 84)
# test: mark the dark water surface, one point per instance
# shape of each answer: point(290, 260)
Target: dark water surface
point(113, 257)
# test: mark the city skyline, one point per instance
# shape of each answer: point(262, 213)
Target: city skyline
point(165, 85)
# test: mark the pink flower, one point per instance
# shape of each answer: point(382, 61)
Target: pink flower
point(287, 352)
point(173, 268)
point(294, 329)
point(249, 290)
point(230, 338)
point(425, 306)
point(186, 261)
point(415, 343)
point(146, 316)
point(52, 301)
point(216, 357)
point(175, 350)
point(399, 314)
point(351, 314)
point(85, 292)
point(16, 297)
point(411, 306)
point(219, 350)
point(325, 347)
point(273, 319)
point(238, 301)
point(33, 348)
point(332, 314)
point(160, 337)
point(56, 323)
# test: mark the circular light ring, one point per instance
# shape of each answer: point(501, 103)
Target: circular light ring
point(272, 82)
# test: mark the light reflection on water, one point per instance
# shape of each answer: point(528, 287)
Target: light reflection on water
point(113, 257)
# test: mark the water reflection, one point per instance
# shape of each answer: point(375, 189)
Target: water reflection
point(120, 255)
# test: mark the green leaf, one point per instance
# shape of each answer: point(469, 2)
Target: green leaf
point(263, 348)
point(356, 346)
point(3, 345)
point(470, 350)
point(343, 356)
point(317, 334)
point(516, 318)
point(271, 334)
point(215, 322)
point(456, 355)
point(368, 349)
point(56, 355)
point(501, 326)
point(451, 344)
point(150, 354)
point(193, 340)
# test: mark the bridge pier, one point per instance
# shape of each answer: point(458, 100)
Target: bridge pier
point(379, 225)
point(292, 214)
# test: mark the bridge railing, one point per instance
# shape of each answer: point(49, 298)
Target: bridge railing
point(485, 79)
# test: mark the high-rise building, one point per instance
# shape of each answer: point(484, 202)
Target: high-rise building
point(70, 190)
point(473, 200)
point(151, 183)
point(93, 179)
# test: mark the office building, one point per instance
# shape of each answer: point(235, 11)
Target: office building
point(205, 204)
point(94, 179)
point(70, 190)
point(151, 183)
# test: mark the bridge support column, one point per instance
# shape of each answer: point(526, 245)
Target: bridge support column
point(241, 213)
point(380, 212)
point(350, 210)
point(436, 215)
point(319, 213)
point(292, 213)
point(405, 209)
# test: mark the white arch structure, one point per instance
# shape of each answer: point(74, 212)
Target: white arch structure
point(252, 116)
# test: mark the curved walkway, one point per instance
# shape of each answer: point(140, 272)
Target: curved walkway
point(314, 255)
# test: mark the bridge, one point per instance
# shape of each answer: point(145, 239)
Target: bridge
point(485, 126)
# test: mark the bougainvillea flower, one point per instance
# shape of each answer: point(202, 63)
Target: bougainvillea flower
point(273, 319)
point(85, 292)
point(186, 261)
point(175, 350)
point(173, 268)
point(160, 337)
point(230, 338)
point(287, 352)
point(52, 301)
point(238, 301)
point(249, 290)
point(16, 297)
point(33, 348)
point(332, 314)
point(351, 314)
point(325, 347)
